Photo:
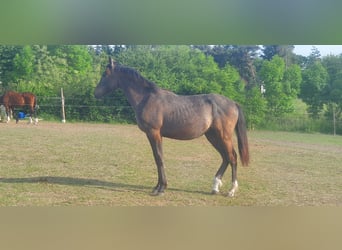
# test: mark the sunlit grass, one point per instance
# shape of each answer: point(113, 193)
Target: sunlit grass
point(55, 164)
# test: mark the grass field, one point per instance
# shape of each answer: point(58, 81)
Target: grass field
point(56, 164)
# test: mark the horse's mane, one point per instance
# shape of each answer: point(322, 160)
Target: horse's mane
point(136, 76)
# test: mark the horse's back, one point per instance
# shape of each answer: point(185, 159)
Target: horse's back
point(187, 116)
point(15, 99)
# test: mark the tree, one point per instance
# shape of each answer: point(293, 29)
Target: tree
point(44, 75)
point(332, 93)
point(284, 51)
point(230, 70)
point(277, 95)
point(24, 64)
point(181, 69)
point(314, 56)
point(269, 51)
point(220, 53)
point(255, 107)
point(78, 58)
point(7, 54)
point(242, 57)
point(292, 80)
point(315, 78)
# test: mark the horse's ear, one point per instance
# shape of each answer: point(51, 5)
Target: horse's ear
point(111, 63)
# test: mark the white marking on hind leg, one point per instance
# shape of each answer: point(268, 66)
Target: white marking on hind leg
point(234, 188)
point(217, 184)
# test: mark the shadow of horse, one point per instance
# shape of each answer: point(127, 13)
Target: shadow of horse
point(72, 181)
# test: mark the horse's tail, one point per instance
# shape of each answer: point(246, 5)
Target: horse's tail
point(241, 132)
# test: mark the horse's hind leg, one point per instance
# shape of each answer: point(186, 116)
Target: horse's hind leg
point(214, 138)
point(33, 113)
point(233, 162)
point(35, 116)
point(235, 184)
point(224, 145)
point(30, 120)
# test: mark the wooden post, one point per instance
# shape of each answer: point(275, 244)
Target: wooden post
point(334, 119)
point(63, 111)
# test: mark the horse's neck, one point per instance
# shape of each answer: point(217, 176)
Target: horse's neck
point(134, 91)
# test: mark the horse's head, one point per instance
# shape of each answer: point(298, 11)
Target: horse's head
point(109, 80)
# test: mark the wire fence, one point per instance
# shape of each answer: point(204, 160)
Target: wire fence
point(303, 123)
point(107, 110)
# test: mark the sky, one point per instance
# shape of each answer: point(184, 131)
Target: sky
point(325, 50)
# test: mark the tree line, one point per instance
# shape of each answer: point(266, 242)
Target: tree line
point(267, 80)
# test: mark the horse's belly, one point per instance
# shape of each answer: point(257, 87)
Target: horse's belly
point(185, 130)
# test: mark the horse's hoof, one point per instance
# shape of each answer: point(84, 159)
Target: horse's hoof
point(157, 193)
point(231, 194)
point(213, 192)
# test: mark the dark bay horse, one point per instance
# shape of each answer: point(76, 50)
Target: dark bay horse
point(161, 113)
point(26, 100)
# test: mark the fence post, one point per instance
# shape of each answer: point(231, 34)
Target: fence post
point(63, 111)
point(334, 120)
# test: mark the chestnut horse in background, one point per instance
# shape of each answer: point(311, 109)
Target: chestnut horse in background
point(26, 101)
point(161, 113)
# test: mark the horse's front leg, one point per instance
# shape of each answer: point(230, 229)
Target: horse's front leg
point(8, 114)
point(156, 144)
point(30, 120)
point(34, 113)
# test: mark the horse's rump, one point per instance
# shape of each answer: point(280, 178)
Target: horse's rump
point(29, 99)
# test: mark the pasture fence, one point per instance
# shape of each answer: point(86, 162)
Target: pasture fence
point(303, 123)
point(85, 109)
point(118, 110)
